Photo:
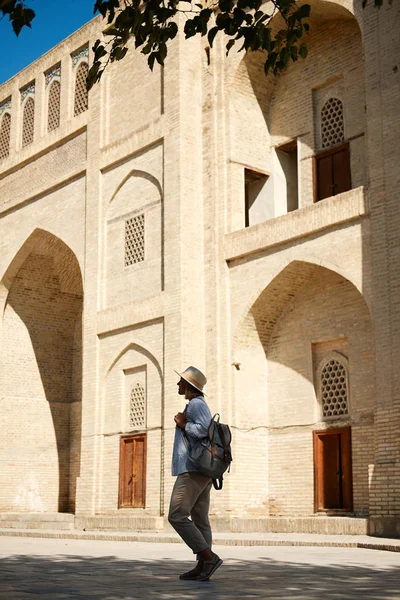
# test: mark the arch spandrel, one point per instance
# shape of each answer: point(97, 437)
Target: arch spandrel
point(308, 263)
point(140, 174)
point(320, 10)
point(141, 349)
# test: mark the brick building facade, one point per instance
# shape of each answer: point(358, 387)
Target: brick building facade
point(204, 214)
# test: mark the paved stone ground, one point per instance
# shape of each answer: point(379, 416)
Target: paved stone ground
point(51, 569)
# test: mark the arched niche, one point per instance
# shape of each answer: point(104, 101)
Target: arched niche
point(306, 312)
point(41, 377)
point(133, 366)
point(133, 230)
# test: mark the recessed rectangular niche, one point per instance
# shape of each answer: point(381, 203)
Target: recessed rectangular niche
point(286, 185)
point(257, 198)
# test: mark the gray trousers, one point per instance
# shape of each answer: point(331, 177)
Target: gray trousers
point(191, 498)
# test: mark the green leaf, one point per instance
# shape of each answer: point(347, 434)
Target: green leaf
point(211, 35)
point(229, 46)
point(190, 28)
point(304, 11)
point(266, 39)
point(172, 30)
point(303, 51)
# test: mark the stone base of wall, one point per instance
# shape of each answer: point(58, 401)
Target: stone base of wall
point(321, 525)
point(57, 521)
point(377, 526)
point(384, 526)
point(119, 523)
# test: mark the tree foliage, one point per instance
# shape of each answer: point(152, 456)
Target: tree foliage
point(18, 12)
point(151, 24)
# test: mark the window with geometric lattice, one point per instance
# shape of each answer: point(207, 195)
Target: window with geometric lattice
point(332, 123)
point(334, 388)
point(5, 130)
point(53, 112)
point(28, 122)
point(81, 94)
point(137, 407)
point(134, 240)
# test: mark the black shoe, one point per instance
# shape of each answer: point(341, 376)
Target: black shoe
point(194, 573)
point(209, 568)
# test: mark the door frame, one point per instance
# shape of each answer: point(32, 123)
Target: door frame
point(347, 468)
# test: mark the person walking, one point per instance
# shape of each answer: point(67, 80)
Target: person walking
point(191, 493)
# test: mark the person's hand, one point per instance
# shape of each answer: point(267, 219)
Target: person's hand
point(180, 420)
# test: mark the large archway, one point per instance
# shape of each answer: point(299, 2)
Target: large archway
point(41, 377)
point(306, 315)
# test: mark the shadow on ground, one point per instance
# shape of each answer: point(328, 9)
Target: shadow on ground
point(110, 578)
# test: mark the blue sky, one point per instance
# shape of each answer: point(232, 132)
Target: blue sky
point(55, 20)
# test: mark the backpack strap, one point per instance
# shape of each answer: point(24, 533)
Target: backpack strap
point(218, 483)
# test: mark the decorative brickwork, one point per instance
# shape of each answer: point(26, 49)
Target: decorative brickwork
point(81, 94)
point(134, 240)
point(334, 388)
point(53, 115)
point(54, 73)
point(137, 408)
point(332, 125)
point(6, 105)
point(28, 90)
point(79, 55)
point(28, 122)
point(5, 129)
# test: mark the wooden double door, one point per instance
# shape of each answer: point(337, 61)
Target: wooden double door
point(333, 490)
point(132, 472)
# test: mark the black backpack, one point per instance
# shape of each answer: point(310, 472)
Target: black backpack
point(213, 456)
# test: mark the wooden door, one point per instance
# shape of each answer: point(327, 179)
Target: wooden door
point(332, 172)
point(333, 470)
point(132, 472)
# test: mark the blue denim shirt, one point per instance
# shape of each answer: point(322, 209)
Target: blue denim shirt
point(198, 418)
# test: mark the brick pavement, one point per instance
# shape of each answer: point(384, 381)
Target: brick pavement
point(63, 569)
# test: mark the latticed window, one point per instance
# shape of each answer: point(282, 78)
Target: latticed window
point(332, 124)
point(5, 129)
point(28, 122)
point(53, 114)
point(137, 408)
point(334, 389)
point(134, 240)
point(81, 94)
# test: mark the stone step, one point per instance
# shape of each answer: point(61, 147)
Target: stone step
point(313, 524)
point(220, 539)
point(60, 521)
point(317, 525)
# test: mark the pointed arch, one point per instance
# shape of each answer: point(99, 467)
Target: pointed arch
point(70, 271)
point(41, 373)
point(137, 173)
point(5, 134)
point(81, 98)
point(53, 106)
point(141, 350)
point(288, 268)
point(28, 122)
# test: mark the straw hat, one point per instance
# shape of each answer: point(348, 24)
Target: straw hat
point(195, 377)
